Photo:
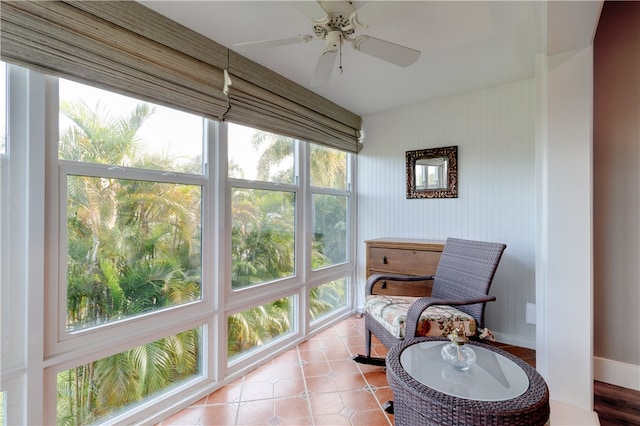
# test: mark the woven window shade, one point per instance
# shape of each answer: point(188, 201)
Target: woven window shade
point(262, 98)
point(126, 47)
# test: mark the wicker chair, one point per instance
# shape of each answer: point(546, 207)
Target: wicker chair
point(458, 298)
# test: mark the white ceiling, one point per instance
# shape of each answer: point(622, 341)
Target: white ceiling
point(465, 46)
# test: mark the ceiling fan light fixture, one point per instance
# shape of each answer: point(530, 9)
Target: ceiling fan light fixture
point(340, 22)
point(333, 40)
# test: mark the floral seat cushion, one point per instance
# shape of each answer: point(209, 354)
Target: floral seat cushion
point(436, 320)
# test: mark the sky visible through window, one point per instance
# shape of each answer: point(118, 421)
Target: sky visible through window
point(176, 133)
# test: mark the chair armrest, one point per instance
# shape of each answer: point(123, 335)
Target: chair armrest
point(419, 306)
point(393, 277)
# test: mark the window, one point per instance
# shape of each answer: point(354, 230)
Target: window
point(327, 298)
point(329, 174)
point(171, 252)
point(278, 187)
point(97, 390)
point(263, 206)
point(132, 185)
point(259, 326)
point(330, 201)
point(133, 234)
point(263, 156)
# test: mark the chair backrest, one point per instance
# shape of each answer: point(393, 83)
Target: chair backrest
point(465, 271)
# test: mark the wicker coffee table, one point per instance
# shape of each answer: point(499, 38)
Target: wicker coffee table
point(499, 389)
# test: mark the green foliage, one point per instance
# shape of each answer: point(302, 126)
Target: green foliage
point(102, 388)
point(326, 298)
point(255, 327)
point(134, 246)
point(262, 236)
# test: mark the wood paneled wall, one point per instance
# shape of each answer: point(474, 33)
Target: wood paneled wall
point(494, 130)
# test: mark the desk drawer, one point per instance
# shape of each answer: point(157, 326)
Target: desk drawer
point(403, 288)
point(403, 261)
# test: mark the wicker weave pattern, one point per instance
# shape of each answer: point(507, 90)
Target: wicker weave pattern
point(466, 270)
point(463, 278)
point(417, 404)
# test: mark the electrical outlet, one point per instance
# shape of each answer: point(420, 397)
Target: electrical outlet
point(531, 313)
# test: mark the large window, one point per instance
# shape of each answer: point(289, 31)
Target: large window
point(166, 253)
point(330, 194)
point(263, 206)
point(132, 187)
point(97, 390)
point(279, 187)
point(260, 326)
point(133, 234)
point(328, 169)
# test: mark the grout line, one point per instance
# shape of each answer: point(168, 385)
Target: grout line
point(306, 389)
point(343, 334)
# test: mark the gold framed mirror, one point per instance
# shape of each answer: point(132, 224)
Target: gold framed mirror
point(432, 173)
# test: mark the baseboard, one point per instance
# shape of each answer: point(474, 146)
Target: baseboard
point(510, 339)
point(616, 373)
point(565, 414)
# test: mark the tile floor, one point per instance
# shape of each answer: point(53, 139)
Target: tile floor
point(316, 383)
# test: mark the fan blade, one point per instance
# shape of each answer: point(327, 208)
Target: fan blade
point(377, 11)
point(333, 7)
point(322, 73)
point(385, 50)
point(240, 47)
point(311, 9)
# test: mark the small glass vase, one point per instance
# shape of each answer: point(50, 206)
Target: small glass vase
point(459, 355)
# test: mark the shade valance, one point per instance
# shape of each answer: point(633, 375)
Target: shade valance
point(128, 48)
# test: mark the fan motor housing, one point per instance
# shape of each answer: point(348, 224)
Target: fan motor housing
point(336, 23)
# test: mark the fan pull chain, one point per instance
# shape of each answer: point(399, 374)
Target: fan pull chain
point(340, 52)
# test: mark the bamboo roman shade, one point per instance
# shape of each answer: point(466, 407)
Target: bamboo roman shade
point(126, 47)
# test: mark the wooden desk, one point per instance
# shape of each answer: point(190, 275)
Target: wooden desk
point(403, 256)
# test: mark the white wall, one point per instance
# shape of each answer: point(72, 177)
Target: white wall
point(616, 196)
point(494, 130)
point(565, 272)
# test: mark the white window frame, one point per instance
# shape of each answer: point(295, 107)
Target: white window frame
point(304, 278)
point(22, 267)
point(46, 349)
point(345, 269)
point(63, 350)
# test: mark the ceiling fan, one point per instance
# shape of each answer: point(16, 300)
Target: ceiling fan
point(336, 22)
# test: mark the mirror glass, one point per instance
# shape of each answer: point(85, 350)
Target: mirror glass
point(432, 173)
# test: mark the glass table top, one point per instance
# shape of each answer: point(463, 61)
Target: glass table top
point(492, 378)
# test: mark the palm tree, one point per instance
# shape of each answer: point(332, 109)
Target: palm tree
point(275, 163)
point(327, 297)
point(93, 391)
point(134, 246)
point(262, 234)
point(259, 325)
point(116, 226)
point(328, 167)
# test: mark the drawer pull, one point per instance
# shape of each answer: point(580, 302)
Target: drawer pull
point(384, 260)
point(383, 285)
